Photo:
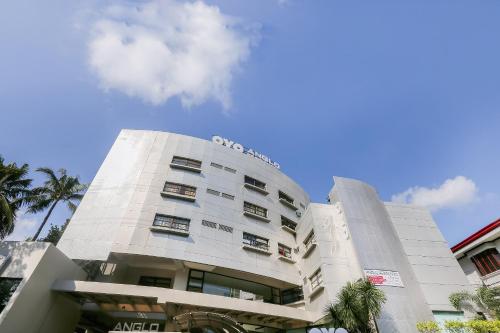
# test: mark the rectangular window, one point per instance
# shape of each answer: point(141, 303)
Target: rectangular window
point(180, 189)
point(231, 170)
point(7, 288)
point(255, 182)
point(186, 162)
point(256, 241)
point(285, 197)
point(254, 209)
point(288, 223)
point(310, 240)
point(209, 224)
point(487, 261)
point(292, 295)
point(171, 222)
point(316, 279)
point(152, 281)
point(216, 165)
point(213, 192)
point(284, 251)
point(228, 196)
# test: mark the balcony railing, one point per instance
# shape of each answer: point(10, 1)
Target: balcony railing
point(256, 244)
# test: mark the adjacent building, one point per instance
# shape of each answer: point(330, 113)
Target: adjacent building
point(173, 224)
point(478, 255)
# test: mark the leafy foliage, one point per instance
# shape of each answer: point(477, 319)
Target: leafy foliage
point(358, 304)
point(485, 298)
point(14, 193)
point(428, 327)
point(55, 233)
point(56, 188)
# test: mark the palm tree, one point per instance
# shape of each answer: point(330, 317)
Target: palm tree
point(14, 193)
point(358, 305)
point(487, 299)
point(55, 189)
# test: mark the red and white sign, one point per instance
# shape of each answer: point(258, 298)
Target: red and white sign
point(384, 278)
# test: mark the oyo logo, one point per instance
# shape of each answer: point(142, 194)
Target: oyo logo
point(327, 330)
point(238, 147)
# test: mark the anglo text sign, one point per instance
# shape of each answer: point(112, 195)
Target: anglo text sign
point(238, 147)
point(384, 278)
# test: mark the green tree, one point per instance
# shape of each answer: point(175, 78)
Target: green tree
point(487, 299)
point(358, 305)
point(55, 233)
point(14, 193)
point(57, 188)
point(428, 327)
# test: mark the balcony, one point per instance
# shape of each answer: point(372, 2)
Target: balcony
point(256, 188)
point(309, 247)
point(256, 246)
point(286, 258)
point(186, 164)
point(256, 216)
point(171, 228)
point(288, 204)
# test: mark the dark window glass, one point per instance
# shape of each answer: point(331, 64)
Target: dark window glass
point(285, 197)
point(216, 284)
point(186, 162)
point(316, 279)
point(487, 261)
point(171, 222)
point(254, 209)
point(284, 251)
point(310, 240)
point(292, 295)
point(255, 182)
point(181, 189)
point(7, 287)
point(256, 241)
point(289, 223)
point(152, 281)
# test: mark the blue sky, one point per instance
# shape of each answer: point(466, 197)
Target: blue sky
point(400, 94)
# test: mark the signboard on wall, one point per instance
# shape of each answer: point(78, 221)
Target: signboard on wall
point(384, 278)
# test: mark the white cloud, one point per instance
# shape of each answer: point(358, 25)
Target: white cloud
point(161, 49)
point(24, 227)
point(453, 193)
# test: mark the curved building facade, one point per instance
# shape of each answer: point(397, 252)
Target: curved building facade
point(173, 224)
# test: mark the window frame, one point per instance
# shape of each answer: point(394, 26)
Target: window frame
point(155, 280)
point(316, 279)
point(257, 241)
point(252, 208)
point(173, 224)
point(487, 261)
point(183, 189)
point(186, 163)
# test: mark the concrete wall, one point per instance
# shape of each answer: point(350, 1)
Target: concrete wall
point(377, 246)
point(118, 210)
point(433, 263)
point(34, 307)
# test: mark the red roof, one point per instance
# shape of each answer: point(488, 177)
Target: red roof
point(478, 234)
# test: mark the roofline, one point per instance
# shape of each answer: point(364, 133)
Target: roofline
point(478, 234)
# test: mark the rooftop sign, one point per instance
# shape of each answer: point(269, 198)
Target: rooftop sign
point(238, 147)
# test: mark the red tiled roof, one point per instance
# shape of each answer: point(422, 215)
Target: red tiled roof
point(478, 234)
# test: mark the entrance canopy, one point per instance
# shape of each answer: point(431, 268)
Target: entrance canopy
point(198, 321)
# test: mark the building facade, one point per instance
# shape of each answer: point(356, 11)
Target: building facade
point(173, 224)
point(478, 255)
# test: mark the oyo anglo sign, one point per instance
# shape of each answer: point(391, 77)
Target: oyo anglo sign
point(136, 327)
point(238, 147)
point(327, 330)
point(384, 278)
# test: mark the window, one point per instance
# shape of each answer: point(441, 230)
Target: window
point(214, 192)
point(288, 223)
point(231, 170)
point(292, 295)
point(254, 209)
point(171, 222)
point(222, 285)
point(316, 279)
point(209, 224)
point(487, 261)
point(216, 165)
point(255, 182)
point(285, 197)
point(185, 163)
point(228, 196)
point(152, 281)
point(284, 251)
point(180, 189)
point(7, 288)
point(256, 241)
point(310, 240)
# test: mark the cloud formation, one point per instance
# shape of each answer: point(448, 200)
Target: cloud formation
point(161, 49)
point(24, 227)
point(453, 193)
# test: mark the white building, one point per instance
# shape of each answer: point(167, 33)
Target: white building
point(173, 224)
point(478, 255)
